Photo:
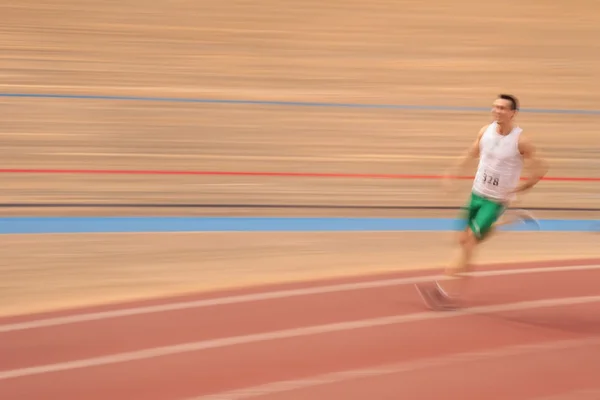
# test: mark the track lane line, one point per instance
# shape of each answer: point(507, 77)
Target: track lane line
point(284, 334)
point(397, 368)
point(94, 316)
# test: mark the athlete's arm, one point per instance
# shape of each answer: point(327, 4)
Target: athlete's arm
point(539, 166)
point(471, 153)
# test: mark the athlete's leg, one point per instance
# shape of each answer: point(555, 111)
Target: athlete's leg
point(436, 296)
point(479, 229)
point(519, 215)
point(466, 244)
point(456, 273)
point(509, 218)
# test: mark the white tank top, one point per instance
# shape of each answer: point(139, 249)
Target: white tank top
point(500, 164)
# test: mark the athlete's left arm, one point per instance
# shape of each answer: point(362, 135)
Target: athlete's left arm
point(539, 166)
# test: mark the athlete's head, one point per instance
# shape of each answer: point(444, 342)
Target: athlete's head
point(505, 108)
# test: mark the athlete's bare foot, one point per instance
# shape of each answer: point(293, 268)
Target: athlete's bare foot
point(426, 293)
point(434, 299)
point(445, 300)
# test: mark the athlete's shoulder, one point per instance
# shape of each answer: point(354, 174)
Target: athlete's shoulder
point(526, 144)
point(482, 130)
point(487, 126)
point(529, 151)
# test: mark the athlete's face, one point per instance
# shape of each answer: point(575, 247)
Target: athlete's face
point(502, 112)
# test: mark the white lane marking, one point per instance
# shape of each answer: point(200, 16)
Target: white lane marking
point(93, 316)
point(583, 394)
point(390, 369)
point(284, 334)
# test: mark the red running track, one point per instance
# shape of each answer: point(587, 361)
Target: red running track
point(531, 331)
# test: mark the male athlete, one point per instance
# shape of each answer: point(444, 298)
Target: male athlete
point(502, 150)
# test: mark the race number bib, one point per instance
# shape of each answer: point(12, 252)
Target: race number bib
point(490, 180)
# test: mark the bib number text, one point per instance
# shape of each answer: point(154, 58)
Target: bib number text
point(490, 180)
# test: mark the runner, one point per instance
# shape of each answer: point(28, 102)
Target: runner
point(502, 150)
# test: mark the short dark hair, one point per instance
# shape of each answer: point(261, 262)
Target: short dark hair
point(513, 100)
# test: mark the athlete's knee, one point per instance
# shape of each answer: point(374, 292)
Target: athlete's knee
point(463, 237)
point(469, 240)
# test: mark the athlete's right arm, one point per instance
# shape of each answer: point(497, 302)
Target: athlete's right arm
point(471, 153)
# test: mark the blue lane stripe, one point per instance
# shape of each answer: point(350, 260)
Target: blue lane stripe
point(415, 107)
point(24, 225)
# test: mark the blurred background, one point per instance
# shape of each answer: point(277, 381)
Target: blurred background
point(289, 108)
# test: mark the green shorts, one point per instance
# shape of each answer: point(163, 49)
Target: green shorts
point(481, 214)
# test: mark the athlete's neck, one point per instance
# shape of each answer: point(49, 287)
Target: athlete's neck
point(504, 129)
